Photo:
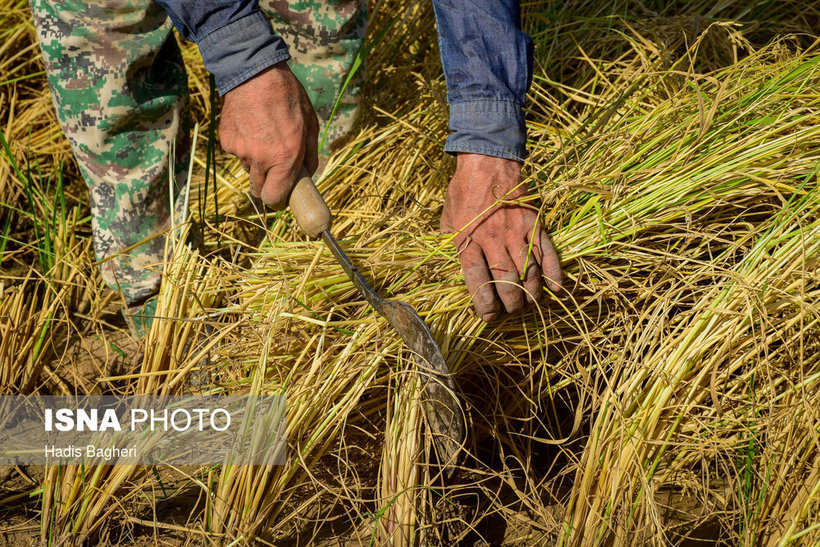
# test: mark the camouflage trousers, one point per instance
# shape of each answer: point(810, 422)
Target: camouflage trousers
point(120, 89)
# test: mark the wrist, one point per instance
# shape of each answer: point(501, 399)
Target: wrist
point(480, 170)
point(271, 77)
point(484, 160)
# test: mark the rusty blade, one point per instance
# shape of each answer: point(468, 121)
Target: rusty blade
point(442, 408)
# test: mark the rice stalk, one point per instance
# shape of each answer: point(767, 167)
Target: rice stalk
point(322, 390)
point(180, 335)
point(77, 500)
point(400, 478)
point(25, 319)
point(669, 383)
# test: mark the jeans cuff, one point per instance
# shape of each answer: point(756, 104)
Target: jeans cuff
point(490, 127)
point(241, 50)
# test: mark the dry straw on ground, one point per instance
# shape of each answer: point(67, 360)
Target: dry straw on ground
point(671, 392)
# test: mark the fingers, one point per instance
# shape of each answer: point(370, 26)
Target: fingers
point(278, 185)
point(275, 184)
point(311, 161)
point(548, 260)
point(497, 281)
point(506, 277)
point(477, 278)
point(257, 176)
point(516, 283)
point(530, 271)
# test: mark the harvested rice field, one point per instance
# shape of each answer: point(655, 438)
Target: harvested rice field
point(669, 396)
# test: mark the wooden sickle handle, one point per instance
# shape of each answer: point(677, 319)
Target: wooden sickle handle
point(308, 206)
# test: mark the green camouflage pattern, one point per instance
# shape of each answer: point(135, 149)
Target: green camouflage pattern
point(120, 90)
point(121, 97)
point(324, 38)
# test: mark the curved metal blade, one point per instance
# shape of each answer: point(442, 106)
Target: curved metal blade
point(442, 408)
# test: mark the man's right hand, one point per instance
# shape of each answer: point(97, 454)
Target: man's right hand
point(269, 123)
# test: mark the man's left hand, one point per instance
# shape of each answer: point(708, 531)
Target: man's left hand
point(502, 245)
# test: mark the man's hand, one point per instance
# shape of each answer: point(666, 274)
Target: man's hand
point(269, 124)
point(493, 238)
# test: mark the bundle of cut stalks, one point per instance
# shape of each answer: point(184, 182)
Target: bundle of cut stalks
point(670, 393)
